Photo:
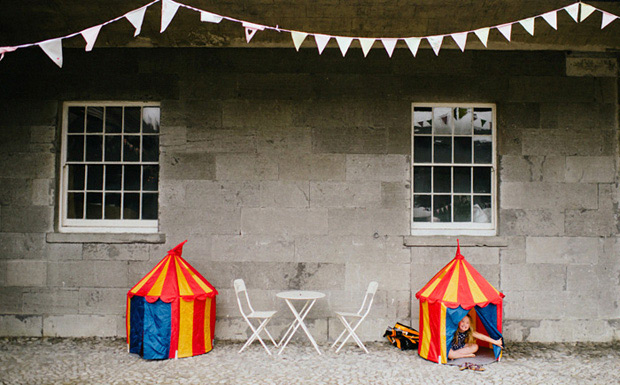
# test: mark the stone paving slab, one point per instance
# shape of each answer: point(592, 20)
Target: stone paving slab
point(106, 361)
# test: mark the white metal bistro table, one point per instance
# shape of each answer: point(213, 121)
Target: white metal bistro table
point(310, 298)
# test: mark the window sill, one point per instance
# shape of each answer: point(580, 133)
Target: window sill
point(105, 238)
point(450, 241)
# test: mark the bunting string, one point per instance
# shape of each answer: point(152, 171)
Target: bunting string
point(578, 11)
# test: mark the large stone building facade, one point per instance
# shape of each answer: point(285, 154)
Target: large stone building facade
point(293, 170)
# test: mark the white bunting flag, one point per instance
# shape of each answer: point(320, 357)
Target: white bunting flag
point(460, 39)
point(344, 43)
point(389, 44)
point(573, 11)
point(435, 42)
point(528, 24)
point(321, 41)
point(250, 30)
point(506, 30)
point(483, 35)
point(366, 44)
point(53, 49)
point(209, 17)
point(586, 10)
point(298, 38)
point(90, 35)
point(551, 18)
point(413, 43)
point(136, 18)
point(168, 10)
point(607, 18)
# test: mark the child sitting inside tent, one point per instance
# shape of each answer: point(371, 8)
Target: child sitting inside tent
point(464, 342)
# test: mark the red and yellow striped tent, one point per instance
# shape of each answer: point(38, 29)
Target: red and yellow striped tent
point(171, 311)
point(456, 290)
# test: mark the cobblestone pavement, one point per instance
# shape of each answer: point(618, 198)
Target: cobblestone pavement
point(106, 361)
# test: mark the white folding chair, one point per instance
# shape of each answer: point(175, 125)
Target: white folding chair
point(360, 316)
point(263, 317)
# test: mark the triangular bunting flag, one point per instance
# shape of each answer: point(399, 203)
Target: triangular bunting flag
point(528, 24)
point(435, 42)
point(298, 38)
point(168, 10)
point(344, 43)
point(483, 35)
point(210, 17)
point(607, 18)
point(551, 18)
point(413, 43)
point(389, 44)
point(3, 50)
point(366, 44)
point(53, 49)
point(136, 18)
point(506, 30)
point(90, 35)
point(460, 39)
point(321, 41)
point(573, 11)
point(250, 30)
point(586, 10)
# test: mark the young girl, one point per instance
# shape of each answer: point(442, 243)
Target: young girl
point(464, 342)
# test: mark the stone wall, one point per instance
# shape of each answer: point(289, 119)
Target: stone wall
point(291, 170)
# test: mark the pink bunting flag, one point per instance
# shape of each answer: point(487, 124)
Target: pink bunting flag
point(344, 43)
point(413, 43)
point(321, 41)
point(136, 18)
point(506, 30)
point(90, 35)
point(168, 10)
point(551, 18)
point(460, 39)
point(53, 49)
point(389, 44)
point(250, 30)
point(607, 18)
point(4, 50)
point(435, 42)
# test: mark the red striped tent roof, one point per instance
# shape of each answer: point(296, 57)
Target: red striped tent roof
point(459, 284)
point(172, 278)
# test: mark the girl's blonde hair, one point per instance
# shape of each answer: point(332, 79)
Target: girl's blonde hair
point(469, 339)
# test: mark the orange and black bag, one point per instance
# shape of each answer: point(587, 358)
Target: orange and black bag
point(402, 336)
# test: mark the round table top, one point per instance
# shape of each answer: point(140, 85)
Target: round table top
point(300, 294)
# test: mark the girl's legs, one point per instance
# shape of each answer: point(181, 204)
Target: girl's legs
point(468, 350)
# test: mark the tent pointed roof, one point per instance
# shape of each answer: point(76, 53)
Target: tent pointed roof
point(173, 278)
point(459, 284)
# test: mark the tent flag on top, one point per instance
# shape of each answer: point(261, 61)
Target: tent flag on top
point(171, 311)
point(456, 290)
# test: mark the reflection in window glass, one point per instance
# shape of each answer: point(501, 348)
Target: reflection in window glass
point(423, 120)
point(422, 179)
point(462, 208)
point(94, 208)
point(94, 119)
point(482, 180)
point(131, 206)
point(483, 149)
point(462, 121)
point(442, 120)
point(483, 121)
point(482, 209)
point(422, 149)
point(442, 208)
point(421, 208)
point(150, 119)
point(443, 149)
point(462, 149)
point(112, 206)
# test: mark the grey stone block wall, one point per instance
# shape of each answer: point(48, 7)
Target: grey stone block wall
point(291, 170)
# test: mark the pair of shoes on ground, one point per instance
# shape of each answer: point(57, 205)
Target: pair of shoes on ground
point(471, 366)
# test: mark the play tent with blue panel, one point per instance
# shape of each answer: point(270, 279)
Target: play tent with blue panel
point(456, 290)
point(171, 311)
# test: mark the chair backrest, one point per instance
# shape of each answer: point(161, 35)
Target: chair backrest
point(241, 291)
point(368, 298)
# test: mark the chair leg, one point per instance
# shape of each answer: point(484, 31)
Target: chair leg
point(271, 338)
point(339, 337)
point(351, 334)
point(255, 335)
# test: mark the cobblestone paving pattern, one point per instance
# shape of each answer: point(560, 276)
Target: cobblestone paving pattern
point(106, 361)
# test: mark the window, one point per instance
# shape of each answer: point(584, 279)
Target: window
point(453, 164)
point(110, 167)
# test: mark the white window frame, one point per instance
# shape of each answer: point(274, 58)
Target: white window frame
point(457, 228)
point(98, 225)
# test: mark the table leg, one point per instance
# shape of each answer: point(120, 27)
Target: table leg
point(293, 324)
point(300, 322)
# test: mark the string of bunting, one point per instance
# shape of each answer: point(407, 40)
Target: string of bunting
point(53, 47)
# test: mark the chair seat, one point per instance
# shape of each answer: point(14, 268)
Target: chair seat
point(261, 314)
point(347, 314)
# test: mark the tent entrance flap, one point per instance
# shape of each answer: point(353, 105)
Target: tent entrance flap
point(488, 317)
point(157, 327)
point(136, 328)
